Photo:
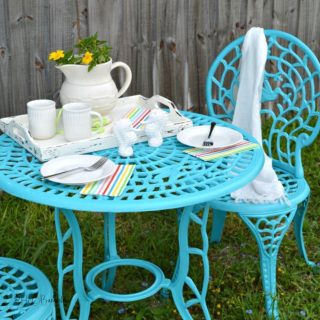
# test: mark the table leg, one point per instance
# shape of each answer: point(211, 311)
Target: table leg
point(269, 232)
point(80, 296)
point(110, 249)
point(181, 278)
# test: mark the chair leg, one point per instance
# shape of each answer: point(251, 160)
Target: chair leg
point(269, 231)
point(298, 230)
point(217, 226)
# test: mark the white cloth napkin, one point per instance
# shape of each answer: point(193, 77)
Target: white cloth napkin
point(265, 187)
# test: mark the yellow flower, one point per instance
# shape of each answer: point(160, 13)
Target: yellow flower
point(52, 56)
point(60, 54)
point(56, 55)
point(87, 57)
point(219, 306)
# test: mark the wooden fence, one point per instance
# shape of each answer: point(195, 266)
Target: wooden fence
point(169, 44)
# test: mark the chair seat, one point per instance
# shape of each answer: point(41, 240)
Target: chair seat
point(25, 292)
point(296, 190)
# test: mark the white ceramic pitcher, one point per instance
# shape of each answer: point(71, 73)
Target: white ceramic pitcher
point(95, 87)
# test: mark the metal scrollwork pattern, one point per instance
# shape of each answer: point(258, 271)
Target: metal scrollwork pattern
point(17, 291)
point(293, 188)
point(290, 94)
point(164, 177)
point(269, 231)
point(23, 290)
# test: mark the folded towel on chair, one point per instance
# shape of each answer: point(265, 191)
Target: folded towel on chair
point(265, 187)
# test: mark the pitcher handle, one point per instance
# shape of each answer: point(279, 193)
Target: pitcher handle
point(128, 72)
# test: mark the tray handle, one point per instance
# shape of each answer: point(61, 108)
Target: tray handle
point(174, 111)
point(20, 134)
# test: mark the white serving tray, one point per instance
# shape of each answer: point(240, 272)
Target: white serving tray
point(17, 128)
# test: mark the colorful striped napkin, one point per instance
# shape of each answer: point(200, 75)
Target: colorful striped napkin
point(113, 185)
point(137, 115)
point(211, 154)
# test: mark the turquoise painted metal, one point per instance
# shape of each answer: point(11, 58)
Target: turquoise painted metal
point(290, 99)
point(25, 292)
point(152, 187)
point(151, 183)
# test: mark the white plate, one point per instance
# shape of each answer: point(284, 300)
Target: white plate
point(221, 137)
point(79, 177)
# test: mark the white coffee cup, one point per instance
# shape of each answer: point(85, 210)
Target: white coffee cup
point(42, 118)
point(76, 118)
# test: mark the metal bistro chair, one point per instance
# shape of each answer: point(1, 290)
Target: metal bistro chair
point(291, 88)
point(25, 292)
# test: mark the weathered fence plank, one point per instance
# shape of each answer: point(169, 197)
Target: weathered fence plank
point(169, 44)
point(20, 21)
point(5, 76)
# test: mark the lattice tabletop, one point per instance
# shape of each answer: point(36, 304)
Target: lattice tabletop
point(164, 177)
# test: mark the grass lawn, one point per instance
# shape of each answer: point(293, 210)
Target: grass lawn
point(27, 232)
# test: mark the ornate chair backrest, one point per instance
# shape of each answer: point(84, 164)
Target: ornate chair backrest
point(290, 97)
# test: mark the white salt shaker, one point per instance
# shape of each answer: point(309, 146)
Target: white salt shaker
point(125, 135)
point(154, 126)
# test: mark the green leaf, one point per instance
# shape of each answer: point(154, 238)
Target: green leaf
point(91, 65)
point(99, 49)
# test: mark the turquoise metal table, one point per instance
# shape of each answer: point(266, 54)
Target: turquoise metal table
point(164, 178)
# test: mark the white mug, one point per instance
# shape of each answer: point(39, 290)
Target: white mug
point(76, 118)
point(42, 118)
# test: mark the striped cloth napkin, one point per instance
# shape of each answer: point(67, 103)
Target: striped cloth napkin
point(137, 115)
point(212, 154)
point(113, 185)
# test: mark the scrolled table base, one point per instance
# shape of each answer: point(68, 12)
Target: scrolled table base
point(87, 292)
point(97, 293)
point(80, 296)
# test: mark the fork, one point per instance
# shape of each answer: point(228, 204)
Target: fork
point(98, 164)
point(208, 142)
